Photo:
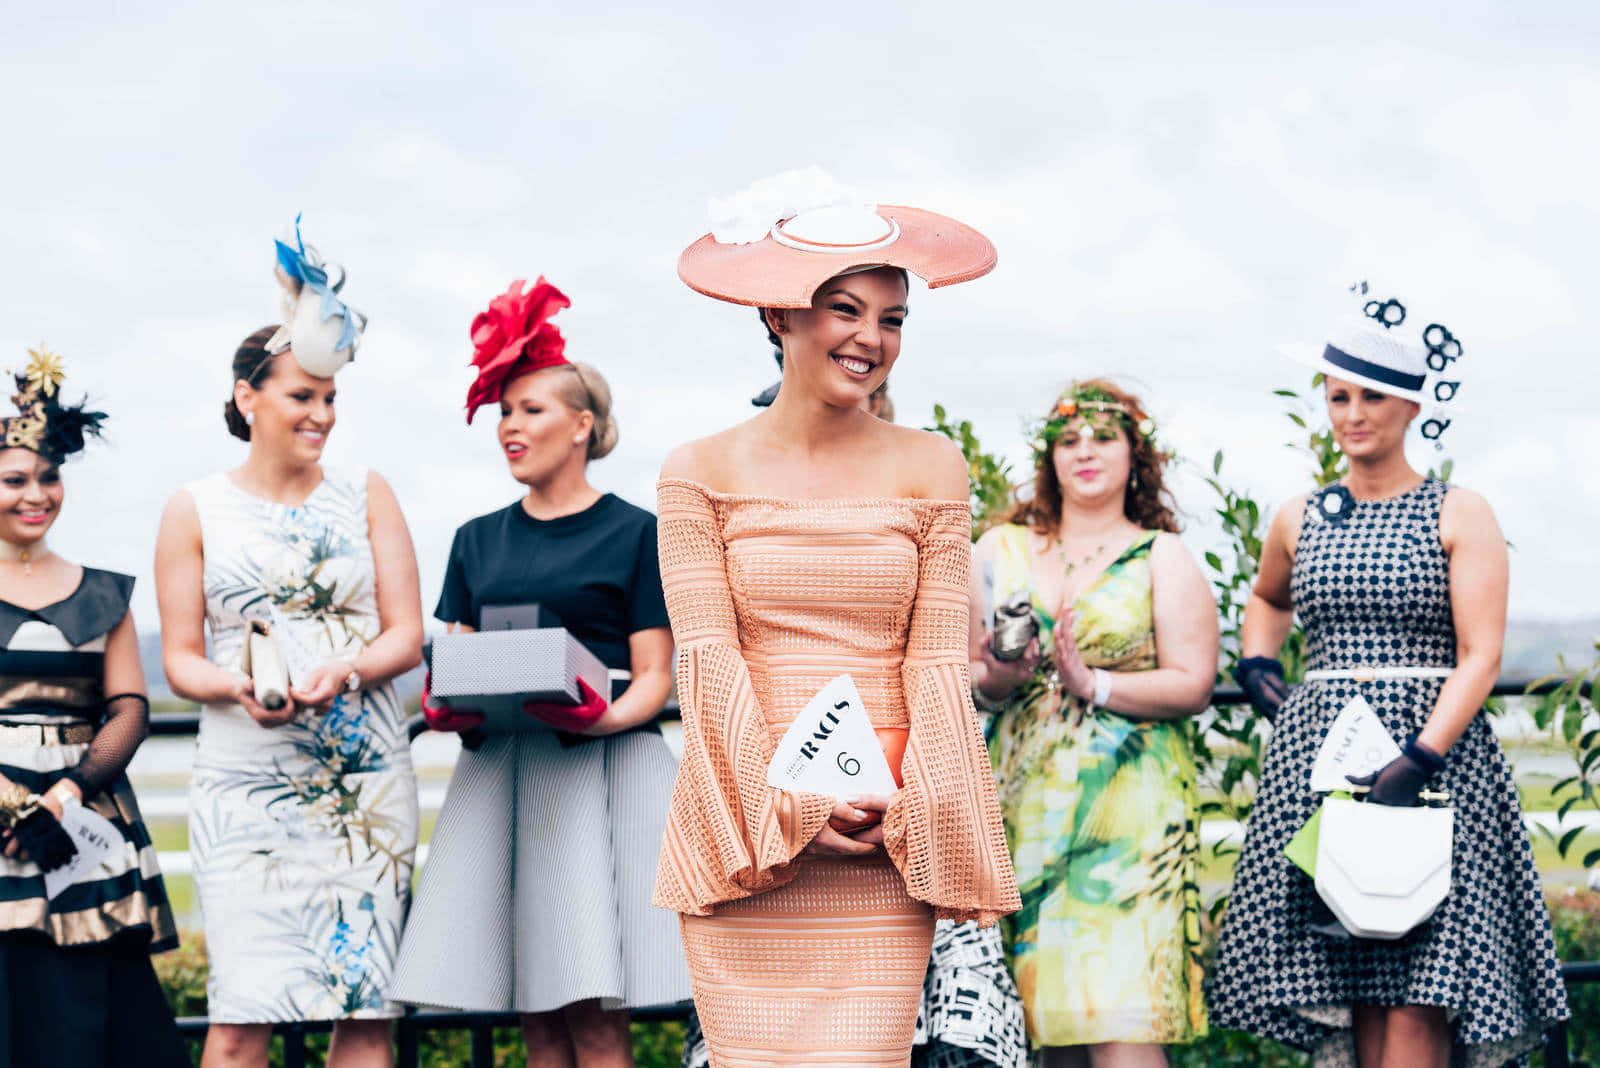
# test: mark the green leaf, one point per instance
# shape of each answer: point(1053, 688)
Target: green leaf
point(1567, 839)
point(1591, 858)
point(1572, 721)
point(1216, 464)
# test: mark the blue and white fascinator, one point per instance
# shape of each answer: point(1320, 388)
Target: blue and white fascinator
point(318, 326)
point(1376, 351)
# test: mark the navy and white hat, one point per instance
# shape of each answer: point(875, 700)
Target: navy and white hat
point(1384, 359)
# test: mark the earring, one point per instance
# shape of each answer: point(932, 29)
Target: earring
point(1133, 481)
point(249, 418)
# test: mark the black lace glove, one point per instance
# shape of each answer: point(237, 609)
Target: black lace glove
point(1400, 781)
point(1261, 678)
point(126, 724)
point(44, 840)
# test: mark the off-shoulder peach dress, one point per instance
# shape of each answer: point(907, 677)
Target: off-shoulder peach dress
point(801, 960)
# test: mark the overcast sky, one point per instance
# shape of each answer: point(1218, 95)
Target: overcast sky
point(1174, 189)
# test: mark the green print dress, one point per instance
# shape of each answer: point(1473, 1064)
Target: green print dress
point(302, 835)
point(1101, 814)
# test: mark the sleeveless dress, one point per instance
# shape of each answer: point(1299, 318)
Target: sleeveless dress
point(536, 893)
point(1371, 588)
point(803, 960)
point(1102, 814)
point(76, 984)
point(302, 835)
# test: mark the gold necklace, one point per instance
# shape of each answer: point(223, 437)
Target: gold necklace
point(23, 554)
point(1073, 565)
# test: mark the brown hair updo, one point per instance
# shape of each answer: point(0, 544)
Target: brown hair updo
point(252, 363)
point(1146, 501)
point(584, 389)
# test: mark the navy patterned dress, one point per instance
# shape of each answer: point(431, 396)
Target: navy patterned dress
point(1371, 587)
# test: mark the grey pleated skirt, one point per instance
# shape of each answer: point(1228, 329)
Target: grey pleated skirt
point(536, 892)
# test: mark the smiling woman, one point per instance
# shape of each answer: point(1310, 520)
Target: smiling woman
point(810, 541)
point(303, 818)
point(76, 986)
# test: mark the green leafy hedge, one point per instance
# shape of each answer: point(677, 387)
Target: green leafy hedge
point(1576, 918)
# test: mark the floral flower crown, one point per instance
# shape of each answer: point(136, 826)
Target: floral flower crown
point(1096, 407)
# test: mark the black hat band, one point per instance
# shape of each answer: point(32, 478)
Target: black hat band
point(1375, 371)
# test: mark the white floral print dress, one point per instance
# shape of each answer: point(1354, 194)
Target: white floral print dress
point(302, 835)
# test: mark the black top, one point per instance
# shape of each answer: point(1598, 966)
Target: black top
point(94, 608)
point(595, 569)
point(61, 686)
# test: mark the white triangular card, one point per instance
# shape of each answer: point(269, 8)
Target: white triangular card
point(830, 748)
point(96, 839)
point(1357, 744)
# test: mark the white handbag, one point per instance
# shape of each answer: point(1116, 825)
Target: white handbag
point(1381, 869)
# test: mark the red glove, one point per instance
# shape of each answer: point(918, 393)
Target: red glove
point(579, 717)
point(444, 717)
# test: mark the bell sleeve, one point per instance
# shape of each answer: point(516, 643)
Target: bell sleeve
point(729, 835)
point(943, 829)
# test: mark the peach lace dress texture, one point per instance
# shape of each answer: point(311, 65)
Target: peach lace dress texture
point(806, 960)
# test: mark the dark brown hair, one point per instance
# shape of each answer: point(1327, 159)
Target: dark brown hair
point(1146, 500)
point(252, 363)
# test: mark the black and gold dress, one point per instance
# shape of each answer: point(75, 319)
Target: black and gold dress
point(76, 984)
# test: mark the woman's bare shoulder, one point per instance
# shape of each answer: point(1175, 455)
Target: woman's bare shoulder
point(707, 460)
point(926, 464)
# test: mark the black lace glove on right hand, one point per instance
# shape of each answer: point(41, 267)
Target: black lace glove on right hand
point(1400, 781)
point(1261, 678)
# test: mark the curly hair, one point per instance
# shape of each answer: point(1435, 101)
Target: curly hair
point(1146, 500)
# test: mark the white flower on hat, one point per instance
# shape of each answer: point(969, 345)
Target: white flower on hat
point(749, 215)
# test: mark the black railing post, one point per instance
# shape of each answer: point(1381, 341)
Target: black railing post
point(1555, 1047)
point(294, 1046)
point(407, 1053)
point(483, 1045)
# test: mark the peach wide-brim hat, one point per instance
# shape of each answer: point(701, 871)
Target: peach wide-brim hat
point(785, 268)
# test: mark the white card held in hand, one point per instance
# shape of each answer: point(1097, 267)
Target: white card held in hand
point(830, 748)
point(96, 840)
point(1357, 744)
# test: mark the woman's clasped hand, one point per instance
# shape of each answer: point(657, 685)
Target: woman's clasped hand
point(854, 827)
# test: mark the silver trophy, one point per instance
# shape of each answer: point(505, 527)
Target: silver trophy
point(1015, 626)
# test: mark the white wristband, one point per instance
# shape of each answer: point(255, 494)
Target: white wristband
point(1102, 687)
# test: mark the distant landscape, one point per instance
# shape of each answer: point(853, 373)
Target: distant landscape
point(1532, 649)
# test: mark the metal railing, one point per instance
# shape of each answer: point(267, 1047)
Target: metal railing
point(410, 1027)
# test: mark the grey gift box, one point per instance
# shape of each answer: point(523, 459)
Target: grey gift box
point(494, 672)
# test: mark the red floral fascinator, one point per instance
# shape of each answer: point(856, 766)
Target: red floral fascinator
point(513, 337)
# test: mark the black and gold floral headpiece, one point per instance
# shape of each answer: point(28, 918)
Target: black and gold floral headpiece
point(42, 424)
point(1089, 404)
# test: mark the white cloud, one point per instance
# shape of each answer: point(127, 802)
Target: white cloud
point(1172, 189)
